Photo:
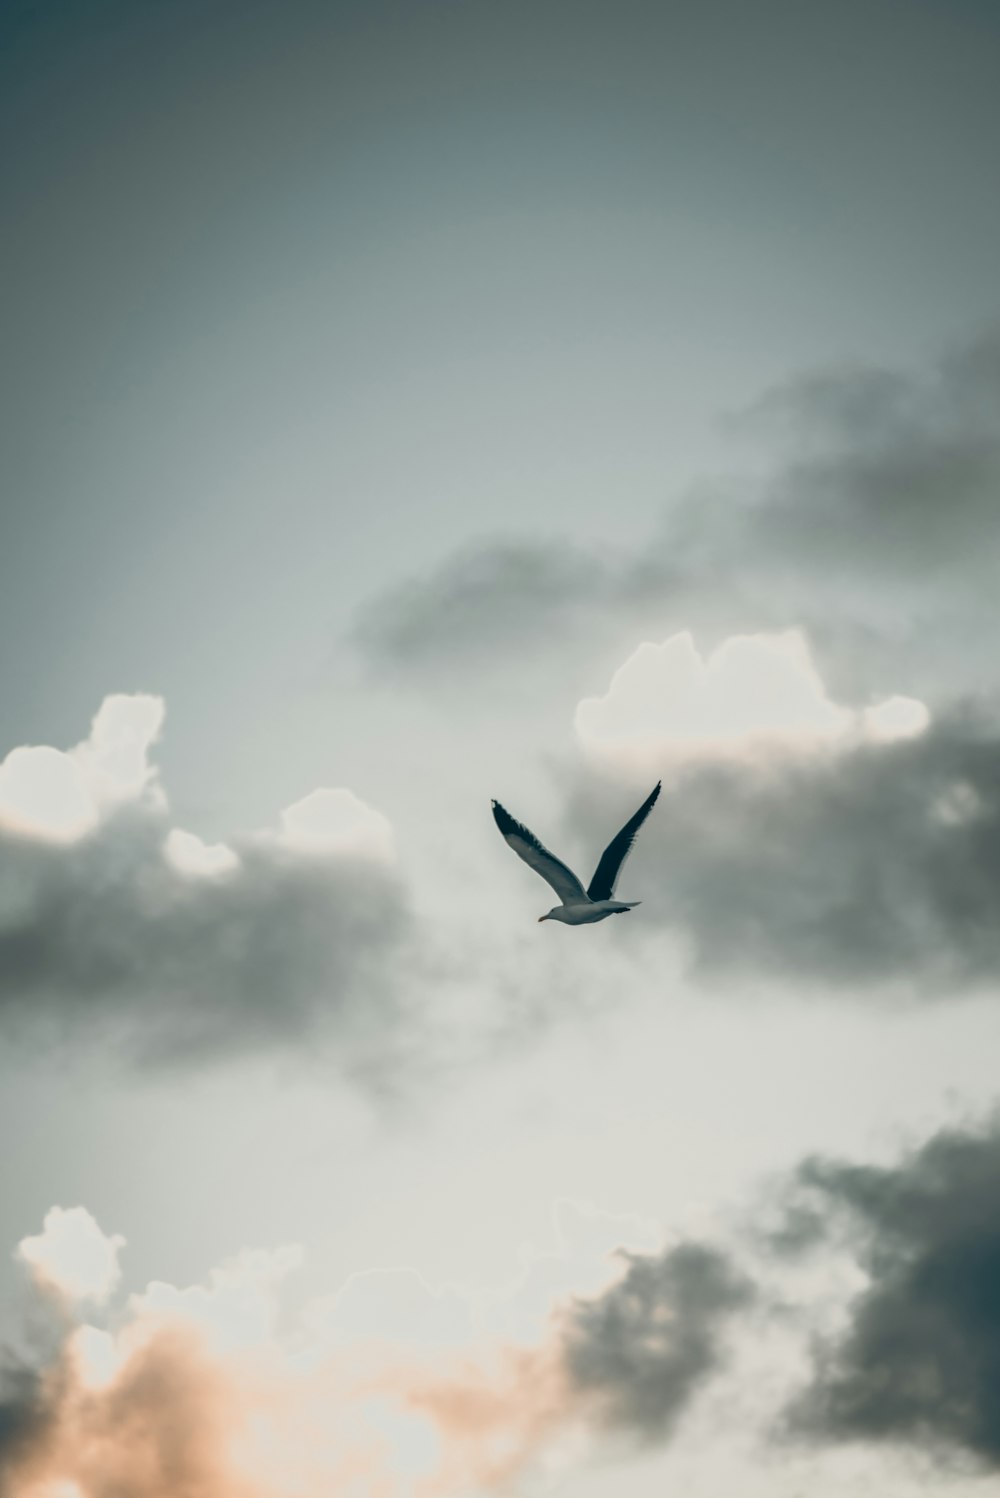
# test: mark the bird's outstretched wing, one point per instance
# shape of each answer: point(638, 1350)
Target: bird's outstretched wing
point(602, 886)
point(526, 845)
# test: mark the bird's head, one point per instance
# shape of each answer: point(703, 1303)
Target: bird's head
point(546, 917)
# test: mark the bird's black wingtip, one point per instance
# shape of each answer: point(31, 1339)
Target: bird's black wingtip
point(503, 818)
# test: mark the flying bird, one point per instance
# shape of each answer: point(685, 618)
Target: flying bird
point(579, 906)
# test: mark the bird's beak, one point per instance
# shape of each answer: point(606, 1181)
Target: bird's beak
point(542, 918)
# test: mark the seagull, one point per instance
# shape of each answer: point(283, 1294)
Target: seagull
point(580, 907)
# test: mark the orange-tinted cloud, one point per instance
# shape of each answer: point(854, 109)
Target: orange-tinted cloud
point(206, 1393)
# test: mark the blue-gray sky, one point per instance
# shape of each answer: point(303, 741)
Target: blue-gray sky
point(298, 295)
point(414, 398)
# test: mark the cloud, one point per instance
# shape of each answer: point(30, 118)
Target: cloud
point(875, 527)
point(877, 863)
point(72, 1256)
point(889, 472)
point(919, 1360)
point(189, 854)
point(752, 694)
point(647, 1344)
point(494, 597)
point(217, 1390)
point(60, 796)
point(116, 926)
point(23, 1414)
point(398, 1389)
point(337, 823)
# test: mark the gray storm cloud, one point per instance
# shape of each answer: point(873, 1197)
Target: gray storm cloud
point(648, 1344)
point(919, 1361)
point(23, 1414)
point(117, 928)
point(106, 937)
point(879, 514)
point(876, 863)
point(486, 599)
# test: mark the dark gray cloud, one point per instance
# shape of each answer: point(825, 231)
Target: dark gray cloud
point(877, 529)
point(876, 863)
point(104, 940)
point(483, 599)
point(508, 603)
point(646, 1345)
point(920, 1360)
point(23, 1414)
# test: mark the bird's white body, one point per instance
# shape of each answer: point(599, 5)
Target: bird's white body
point(585, 915)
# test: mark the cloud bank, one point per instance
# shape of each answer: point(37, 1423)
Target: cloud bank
point(117, 926)
point(394, 1389)
point(212, 1390)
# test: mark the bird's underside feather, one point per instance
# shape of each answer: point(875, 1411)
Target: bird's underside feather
point(526, 845)
point(602, 886)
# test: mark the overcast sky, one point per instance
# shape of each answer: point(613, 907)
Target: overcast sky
point(406, 406)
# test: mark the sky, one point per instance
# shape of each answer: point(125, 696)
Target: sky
point(409, 406)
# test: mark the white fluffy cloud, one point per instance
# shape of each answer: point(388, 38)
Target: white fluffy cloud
point(189, 854)
point(59, 796)
point(72, 1256)
point(335, 822)
point(754, 694)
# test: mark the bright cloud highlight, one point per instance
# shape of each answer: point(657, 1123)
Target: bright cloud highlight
point(337, 822)
point(188, 854)
point(753, 694)
point(59, 796)
point(72, 1256)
